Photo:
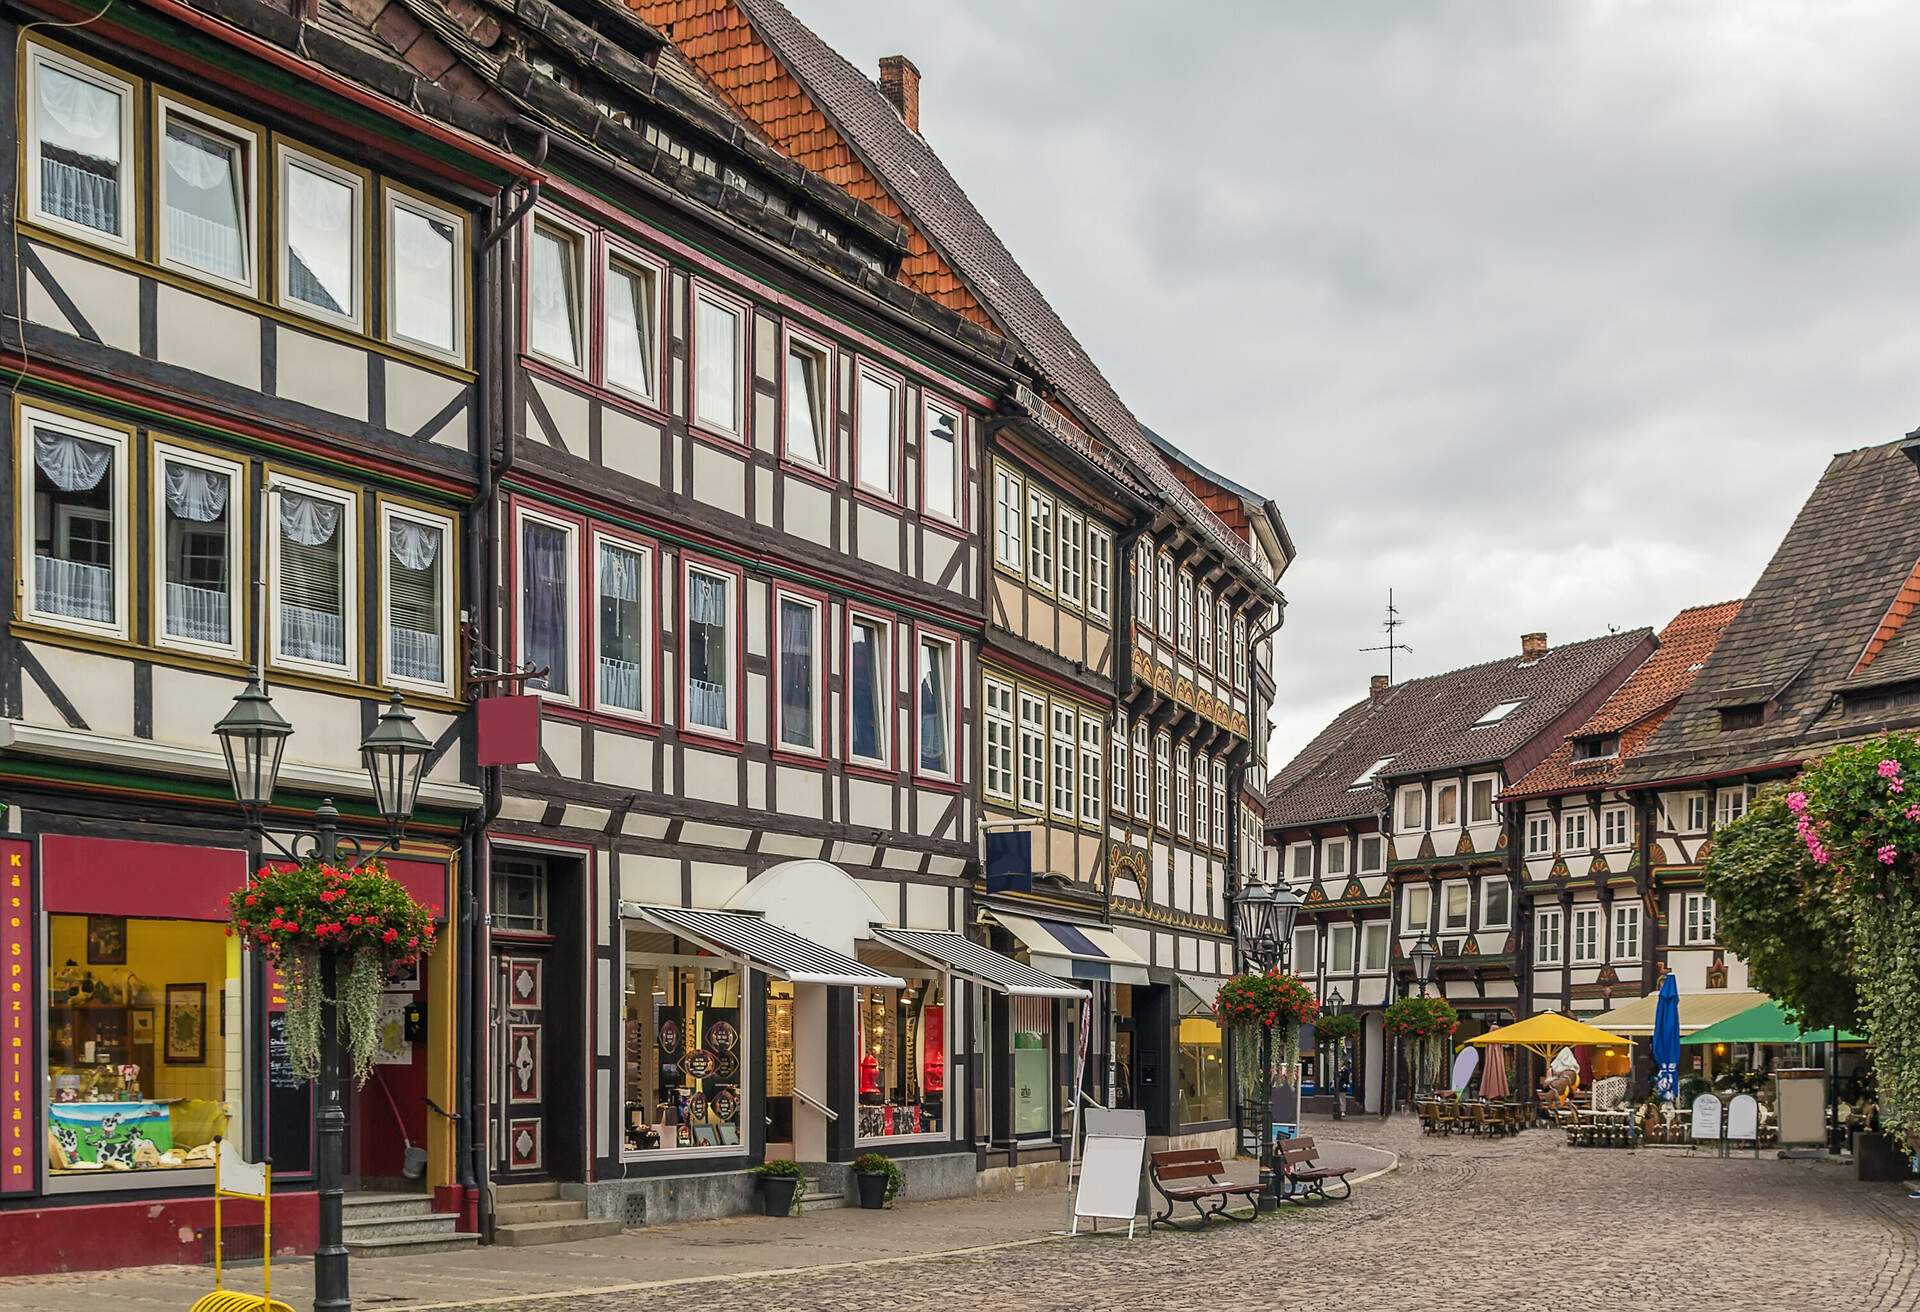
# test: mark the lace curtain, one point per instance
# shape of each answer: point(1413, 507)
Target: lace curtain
point(707, 657)
point(199, 495)
point(619, 574)
point(796, 675)
point(72, 464)
point(707, 600)
point(414, 546)
point(308, 520)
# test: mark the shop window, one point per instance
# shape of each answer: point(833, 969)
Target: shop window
point(546, 603)
point(799, 679)
point(417, 563)
point(626, 604)
point(719, 347)
point(1032, 1020)
point(687, 1054)
point(207, 190)
point(312, 568)
point(79, 123)
point(76, 522)
point(198, 510)
point(1203, 1071)
point(940, 458)
point(553, 295)
point(901, 1038)
point(426, 290)
point(632, 319)
point(709, 651)
point(806, 431)
point(876, 430)
point(870, 676)
point(322, 215)
point(143, 1044)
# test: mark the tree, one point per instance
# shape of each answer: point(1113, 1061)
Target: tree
point(1783, 915)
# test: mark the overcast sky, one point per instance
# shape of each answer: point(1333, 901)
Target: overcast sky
point(1546, 315)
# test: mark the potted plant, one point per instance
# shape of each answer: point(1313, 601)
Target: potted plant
point(880, 1179)
point(781, 1184)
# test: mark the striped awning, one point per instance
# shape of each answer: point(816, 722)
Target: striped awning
point(751, 938)
point(1199, 993)
point(1076, 951)
point(982, 966)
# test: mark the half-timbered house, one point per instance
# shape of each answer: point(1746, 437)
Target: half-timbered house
point(244, 430)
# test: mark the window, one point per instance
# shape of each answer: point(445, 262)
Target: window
point(519, 894)
point(1333, 856)
point(1165, 623)
point(708, 651)
point(1729, 804)
point(674, 1005)
point(1033, 752)
point(1699, 918)
point(1446, 805)
point(624, 581)
point(900, 1057)
point(1373, 946)
point(1008, 515)
point(719, 358)
point(1040, 539)
point(426, 282)
point(313, 572)
point(79, 126)
point(197, 500)
point(1202, 772)
point(1119, 770)
point(1219, 802)
point(1186, 611)
point(1305, 940)
point(1203, 615)
point(1695, 809)
point(940, 460)
point(1539, 835)
point(1368, 775)
point(1072, 562)
point(1573, 832)
point(1240, 654)
point(869, 685)
point(797, 658)
point(1222, 626)
point(1496, 903)
point(1413, 810)
point(1182, 779)
point(1143, 557)
point(1203, 1071)
point(1031, 1025)
point(1300, 862)
point(1546, 937)
point(1479, 801)
point(1142, 788)
point(1418, 909)
point(1586, 935)
point(207, 194)
point(876, 432)
point(935, 698)
point(806, 432)
point(1615, 829)
point(1162, 774)
point(1458, 897)
point(553, 295)
point(546, 602)
point(1099, 572)
point(1064, 732)
point(322, 218)
point(998, 720)
point(1373, 852)
point(1596, 747)
point(74, 524)
point(1090, 761)
point(1340, 950)
point(416, 583)
point(1626, 931)
point(1498, 713)
point(631, 321)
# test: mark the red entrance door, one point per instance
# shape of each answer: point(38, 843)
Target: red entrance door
point(520, 1110)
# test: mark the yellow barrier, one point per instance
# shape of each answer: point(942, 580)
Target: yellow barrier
point(227, 1162)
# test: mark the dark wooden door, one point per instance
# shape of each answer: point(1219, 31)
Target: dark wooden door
point(520, 1063)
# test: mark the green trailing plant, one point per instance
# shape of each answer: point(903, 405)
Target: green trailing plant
point(362, 916)
point(1252, 1001)
point(881, 1164)
point(1425, 1025)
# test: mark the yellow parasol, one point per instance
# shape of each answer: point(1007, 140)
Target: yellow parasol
point(1547, 1033)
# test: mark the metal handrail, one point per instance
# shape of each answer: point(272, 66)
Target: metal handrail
point(815, 1103)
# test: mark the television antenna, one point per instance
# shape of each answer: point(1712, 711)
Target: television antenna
point(1393, 624)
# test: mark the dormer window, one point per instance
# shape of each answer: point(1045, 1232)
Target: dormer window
point(1499, 713)
point(1371, 771)
point(1596, 747)
point(1747, 715)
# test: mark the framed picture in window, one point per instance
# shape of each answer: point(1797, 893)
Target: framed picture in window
point(186, 1025)
point(106, 940)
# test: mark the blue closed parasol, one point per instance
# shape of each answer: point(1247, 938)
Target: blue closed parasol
point(1666, 1041)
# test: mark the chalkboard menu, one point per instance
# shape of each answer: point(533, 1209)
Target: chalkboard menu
point(289, 1105)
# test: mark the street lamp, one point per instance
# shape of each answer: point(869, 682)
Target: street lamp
point(1335, 1005)
point(1424, 955)
point(253, 736)
point(1267, 913)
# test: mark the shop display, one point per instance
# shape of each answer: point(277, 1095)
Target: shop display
point(1032, 1066)
point(902, 1062)
point(683, 1063)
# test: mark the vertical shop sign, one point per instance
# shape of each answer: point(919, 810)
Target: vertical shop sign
point(19, 1063)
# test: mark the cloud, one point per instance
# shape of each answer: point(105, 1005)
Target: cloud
point(1546, 315)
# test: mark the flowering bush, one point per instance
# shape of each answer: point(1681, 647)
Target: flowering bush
point(1426, 1024)
point(362, 914)
point(1251, 1001)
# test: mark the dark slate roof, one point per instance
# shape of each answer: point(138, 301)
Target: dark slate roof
point(1426, 724)
point(1804, 628)
point(940, 208)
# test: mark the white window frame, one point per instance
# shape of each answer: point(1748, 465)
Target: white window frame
point(1472, 811)
point(239, 595)
point(1220, 803)
point(1305, 961)
point(1487, 921)
point(1498, 712)
point(736, 603)
point(614, 257)
point(1700, 919)
point(1340, 944)
point(1374, 932)
point(33, 419)
point(1412, 808)
point(350, 589)
point(1120, 766)
point(1409, 923)
point(1092, 760)
point(1182, 797)
point(1689, 802)
point(922, 641)
point(1297, 855)
point(1002, 761)
point(1540, 833)
point(392, 199)
point(1142, 766)
point(390, 511)
point(1583, 947)
point(742, 396)
point(1625, 930)
point(1033, 752)
point(1099, 572)
point(1202, 813)
point(816, 694)
point(1185, 639)
point(1461, 891)
point(286, 156)
point(1222, 626)
point(889, 718)
point(1359, 856)
point(1729, 804)
point(1548, 946)
point(650, 624)
point(1330, 850)
point(252, 143)
point(1203, 622)
point(1144, 556)
point(1040, 557)
point(1616, 827)
point(1070, 540)
point(1240, 653)
point(559, 229)
point(955, 513)
point(864, 372)
point(1164, 624)
point(129, 182)
point(1576, 830)
point(1443, 792)
point(1162, 781)
point(522, 515)
point(1009, 520)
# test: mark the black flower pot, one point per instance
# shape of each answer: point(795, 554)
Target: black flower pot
point(873, 1190)
point(1879, 1157)
point(776, 1194)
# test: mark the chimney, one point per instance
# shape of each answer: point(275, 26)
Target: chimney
point(900, 84)
point(1533, 646)
point(1378, 689)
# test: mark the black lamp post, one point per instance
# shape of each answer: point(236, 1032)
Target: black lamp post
point(1336, 1004)
point(1267, 913)
point(1424, 956)
point(253, 735)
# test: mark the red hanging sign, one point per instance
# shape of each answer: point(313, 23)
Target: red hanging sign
point(19, 1060)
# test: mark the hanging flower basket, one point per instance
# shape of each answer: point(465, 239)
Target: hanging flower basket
point(360, 914)
point(1251, 1001)
point(1426, 1024)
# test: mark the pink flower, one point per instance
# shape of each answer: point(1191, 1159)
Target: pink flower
point(1887, 854)
point(1797, 802)
point(1889, 769)
point(1895, 786)
point(1913, 814)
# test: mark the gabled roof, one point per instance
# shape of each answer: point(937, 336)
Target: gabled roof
point(1800, 637)
point(1636, 707)
point(1428, 724)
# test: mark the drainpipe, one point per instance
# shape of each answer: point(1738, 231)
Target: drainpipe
point(1242, 759)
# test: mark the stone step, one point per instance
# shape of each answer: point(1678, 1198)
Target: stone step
point(526, 1193)
point(822, 1202)
point(547, 1209)
point(552, 1232)
point(391, 1205)
point(392, 1227)
point(411, 1245)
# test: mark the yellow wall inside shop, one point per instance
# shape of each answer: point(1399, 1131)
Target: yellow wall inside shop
point(442, 974)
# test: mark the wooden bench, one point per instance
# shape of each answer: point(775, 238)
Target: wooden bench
point(1193, 1175)
point(1300, 1167)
